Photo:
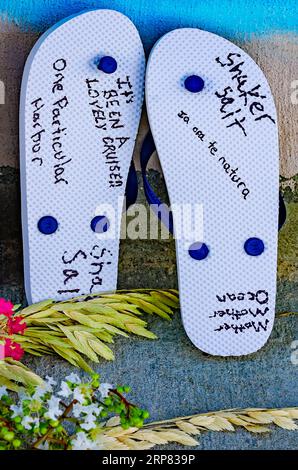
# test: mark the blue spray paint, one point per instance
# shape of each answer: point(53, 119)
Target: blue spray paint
point(237, 19)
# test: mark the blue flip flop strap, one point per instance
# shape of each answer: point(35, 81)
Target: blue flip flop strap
point(282, 215)
point(148, 148)
point(159, 208)
point(131, 192)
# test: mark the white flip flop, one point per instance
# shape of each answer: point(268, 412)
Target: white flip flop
point(213, 120)
point(81, 100)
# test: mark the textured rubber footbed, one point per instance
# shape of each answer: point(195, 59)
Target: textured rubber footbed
point(219, 150)
point(78, 126)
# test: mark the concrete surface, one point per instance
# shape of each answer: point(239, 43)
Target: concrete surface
point(169, 376)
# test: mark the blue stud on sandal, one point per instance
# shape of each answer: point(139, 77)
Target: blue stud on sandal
point(216, 137)
point(81, 103)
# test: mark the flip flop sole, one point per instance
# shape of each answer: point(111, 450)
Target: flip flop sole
point(214, 124)
point(81, 101)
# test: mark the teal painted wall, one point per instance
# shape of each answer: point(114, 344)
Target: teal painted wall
point(230, 18)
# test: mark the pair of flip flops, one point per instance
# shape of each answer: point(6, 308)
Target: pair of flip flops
point(213, 123)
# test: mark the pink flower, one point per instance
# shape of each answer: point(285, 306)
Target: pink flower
point(6, 308)
point(15, 326)
point(13, 350)
point(2, 351)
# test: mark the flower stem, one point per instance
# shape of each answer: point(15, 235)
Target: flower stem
point(64, 415)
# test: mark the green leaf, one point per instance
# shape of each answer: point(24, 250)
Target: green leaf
point(36, 307)
point(118, 320)
point(83, 319)
point(129, 308)
point(101, 349)
point(21, 339)
point(150, 308)
point(167, 302)
point(82, 339)
point(74, 358)
point(114, 330)
point(45, 321)
point(104, 336)
point(40, 348)
point(9, 384)
point(47, 313)
point(172, 296)
point(34, 352)
point(16, 307)
point(139, 330)
point(14, 370)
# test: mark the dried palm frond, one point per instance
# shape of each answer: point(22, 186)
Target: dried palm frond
point(83, 326)
point(14, 375)
point(181, 430)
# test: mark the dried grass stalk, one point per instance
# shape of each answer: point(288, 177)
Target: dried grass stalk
point(181, 430)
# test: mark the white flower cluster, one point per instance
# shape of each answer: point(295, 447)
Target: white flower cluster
point(29, 405)
point(86, 413)
point(3, 391)
point(40, 406)
point(82, 442)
